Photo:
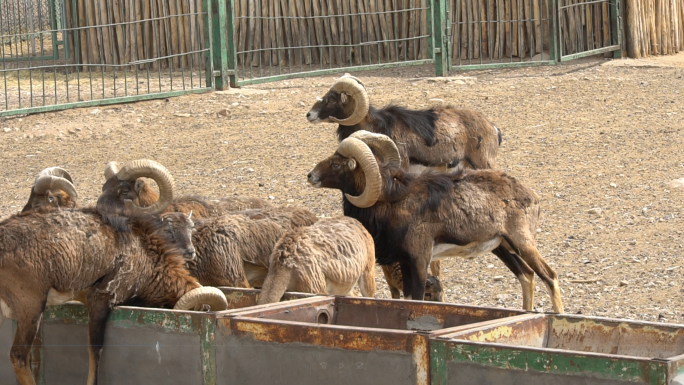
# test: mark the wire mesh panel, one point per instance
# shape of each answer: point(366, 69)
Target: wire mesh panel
point(107, 51)
point(277, 39)
point(27, 29)
point(499, 33)
point(588, 27)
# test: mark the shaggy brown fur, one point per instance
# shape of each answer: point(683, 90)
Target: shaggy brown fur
point(433, 286)
point(437, 137)
point(479, 211)
point(78, 253)
point(328, 257)
point(233, 250)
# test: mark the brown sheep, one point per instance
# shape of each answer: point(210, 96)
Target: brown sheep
point(328, 257)
point(443, 136)
point(64, 254)
point(234, 249)
point(125, 184)
point(418, 217)
point(53, 188)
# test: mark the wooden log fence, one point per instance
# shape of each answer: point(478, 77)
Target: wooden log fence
point(654, 27)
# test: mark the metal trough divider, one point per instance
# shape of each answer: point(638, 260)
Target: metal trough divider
point(560, 349)
point(337, 340)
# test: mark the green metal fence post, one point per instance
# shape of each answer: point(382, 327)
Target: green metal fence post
point(440, 34)
point(231, 44)
point(616, 27)
point(208, 54)
point(556, 35)
point(219, 43)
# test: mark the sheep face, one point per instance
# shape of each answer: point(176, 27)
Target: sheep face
point(177, 229)
point(337, 172)
point(335, 104)
point(115, 192)
point(433, 289)
point(52, 199)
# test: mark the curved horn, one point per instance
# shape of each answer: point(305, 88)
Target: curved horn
point(111, 169)
point(48, 182)
point(149, 169)
point(195, 298)
point(381, 143)
point(353, 87)
point(57, 171)
point(354, 148)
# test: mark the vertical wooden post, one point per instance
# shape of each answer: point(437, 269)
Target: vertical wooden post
point(441, 37)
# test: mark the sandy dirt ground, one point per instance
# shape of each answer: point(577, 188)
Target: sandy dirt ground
point(598, 140)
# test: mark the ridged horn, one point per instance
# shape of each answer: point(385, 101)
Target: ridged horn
point(206, 295)
point(355, 148)
point(111, 169)
point(149, 169)
point(352, 86)
point(54, 178)
point(381, 143)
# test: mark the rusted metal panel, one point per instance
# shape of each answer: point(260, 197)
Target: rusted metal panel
point(6, 336)
point(154, 345)
point(560, 349)
point(336, 340)
point(241, 298)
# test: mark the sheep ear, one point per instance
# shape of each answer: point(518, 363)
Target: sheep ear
point(344, 98)
point(139, 184)
point(351, 163)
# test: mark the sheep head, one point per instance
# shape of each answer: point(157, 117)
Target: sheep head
point(124, 192)
point(354, 168)
point(433, 289)
point(52, 188)
point(346, 98)
point(176, 229)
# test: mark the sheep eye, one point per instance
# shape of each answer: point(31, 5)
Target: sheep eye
point(335, 166)
point(51, 199)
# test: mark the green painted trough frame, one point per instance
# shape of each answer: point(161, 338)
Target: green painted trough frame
point(337, 340)
point(142, 345)
point(560, 350)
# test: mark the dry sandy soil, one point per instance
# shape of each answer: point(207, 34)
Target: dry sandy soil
point(591, 134)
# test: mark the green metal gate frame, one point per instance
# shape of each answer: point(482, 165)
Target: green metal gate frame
point(443, 35)
point(221, 49)
point(212, 78)
point(615, 33)
point(226, 62)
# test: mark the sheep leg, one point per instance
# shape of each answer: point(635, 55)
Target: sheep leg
point(367, 282)
point(419, 267)
point(387, 271)
point(529, 253)
point(21, 347)
point(406, 278)
point(522, 271)
point(98, 312)
point(275, 284)
point(436, 268)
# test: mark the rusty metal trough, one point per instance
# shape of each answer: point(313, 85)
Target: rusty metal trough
point(560, 350)
point(337, 340)
point(143, 345)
